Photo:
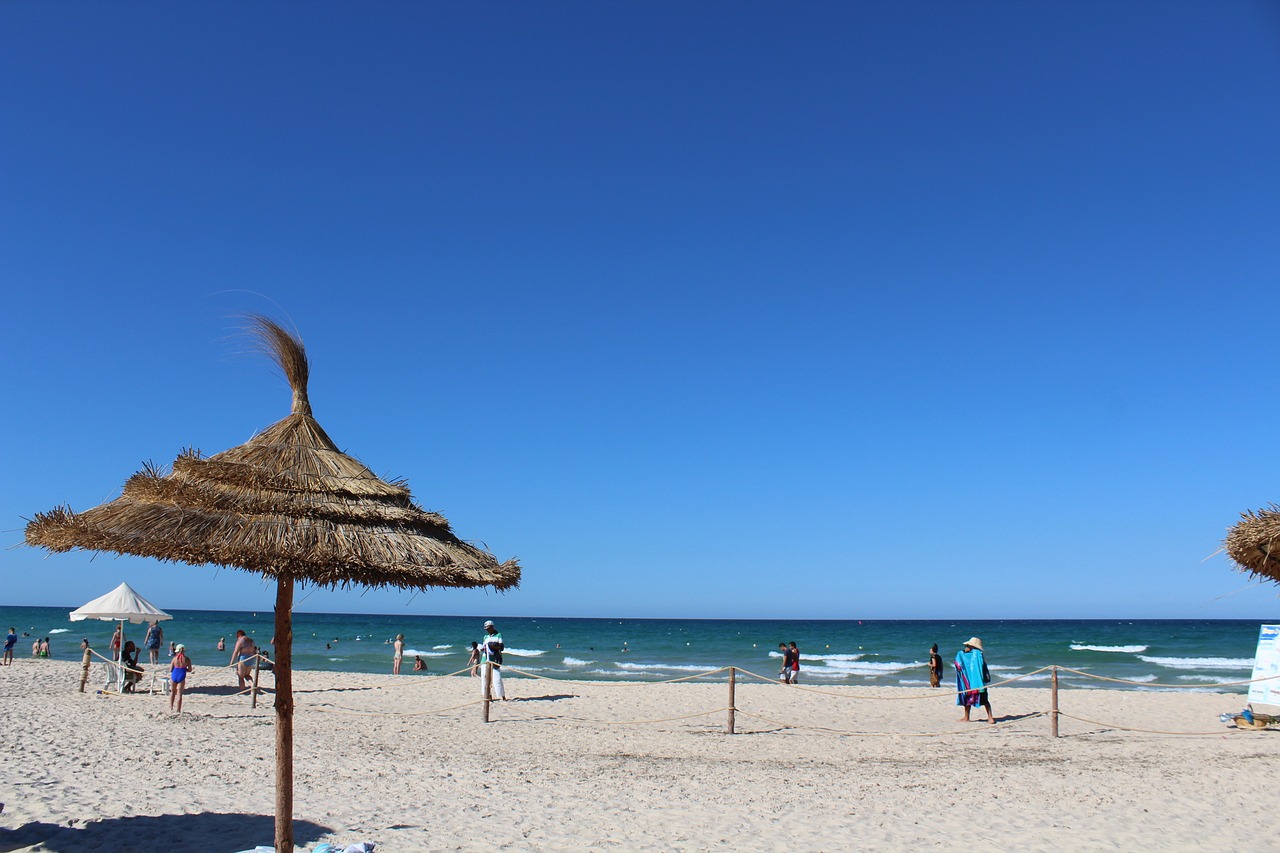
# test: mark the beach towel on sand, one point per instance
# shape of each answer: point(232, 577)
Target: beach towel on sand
point(971, 677)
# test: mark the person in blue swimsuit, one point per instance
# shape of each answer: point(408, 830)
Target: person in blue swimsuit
point(179, 668)
point(9, 642)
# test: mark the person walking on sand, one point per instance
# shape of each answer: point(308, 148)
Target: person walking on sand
point(785, 674)
point(397, 655)
point(795, 663)
point(10, 641)
point(242, 654)
point(155, 636)
point(935, 667)
point(491, 647)
point(179, 668)
point(473, 662)
point(972, 678)
point(115, 645)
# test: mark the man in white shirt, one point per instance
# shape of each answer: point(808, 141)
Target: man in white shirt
point(491, 661)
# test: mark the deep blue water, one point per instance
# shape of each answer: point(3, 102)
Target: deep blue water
point(889, 652)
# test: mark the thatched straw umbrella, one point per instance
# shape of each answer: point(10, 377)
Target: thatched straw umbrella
point(1254, 543)
point(287, 504)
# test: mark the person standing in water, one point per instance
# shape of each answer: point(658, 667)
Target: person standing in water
point(397, 655)
point(972, 678)
point(155, 636)
point(473, 662)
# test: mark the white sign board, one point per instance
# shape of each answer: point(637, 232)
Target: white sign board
point(1267, 665)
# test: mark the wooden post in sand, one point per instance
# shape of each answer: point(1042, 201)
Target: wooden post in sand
point(488, 686)
point(253, 693)
point(1053, 711)
point(733, 672)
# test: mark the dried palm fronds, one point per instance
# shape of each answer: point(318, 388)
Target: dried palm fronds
point(1254, 543)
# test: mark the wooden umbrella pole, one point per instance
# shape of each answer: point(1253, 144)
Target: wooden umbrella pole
point(284, 714)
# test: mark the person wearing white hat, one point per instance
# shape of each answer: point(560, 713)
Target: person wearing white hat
point(179, 667)
point(972, 678)
point(491, 661)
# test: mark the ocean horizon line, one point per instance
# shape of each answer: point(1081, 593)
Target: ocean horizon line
point(612, 618)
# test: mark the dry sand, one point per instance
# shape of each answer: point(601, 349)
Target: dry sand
point(825, 768)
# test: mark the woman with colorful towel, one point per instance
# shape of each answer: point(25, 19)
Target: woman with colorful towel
point(972, 678)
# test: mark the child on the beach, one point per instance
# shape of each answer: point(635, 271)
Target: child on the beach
point(179, 668)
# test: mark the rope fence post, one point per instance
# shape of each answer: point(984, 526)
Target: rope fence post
point(1053, 710)
point(253, 694)
point(488, 685)
point(733, 681)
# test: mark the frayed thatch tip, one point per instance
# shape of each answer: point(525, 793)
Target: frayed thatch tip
point(287, 351)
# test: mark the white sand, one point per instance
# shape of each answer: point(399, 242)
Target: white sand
point(97, 772)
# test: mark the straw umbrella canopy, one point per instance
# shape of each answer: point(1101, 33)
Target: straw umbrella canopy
point(1254, 543)
point(289, 505)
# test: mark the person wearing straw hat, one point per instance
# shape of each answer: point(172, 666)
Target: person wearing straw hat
point(972, 678)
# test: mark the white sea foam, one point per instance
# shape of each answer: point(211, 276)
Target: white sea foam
point(1212, 679)
point(568, 661)
point(418, 653)
point(1144, 679)
point(446, 646)
point(524, 653)
point(662, 667)
point(863, 667)
point(1200, 663)
point(803, 656)
point(1132, 650)
point(59, 630)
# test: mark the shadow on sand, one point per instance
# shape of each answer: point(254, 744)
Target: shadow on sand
point(175, 833)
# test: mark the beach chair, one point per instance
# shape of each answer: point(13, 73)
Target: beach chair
point(112, 676)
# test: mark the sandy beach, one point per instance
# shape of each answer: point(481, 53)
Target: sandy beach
point(406, 762)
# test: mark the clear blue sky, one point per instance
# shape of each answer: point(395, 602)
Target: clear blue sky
point(841, 310)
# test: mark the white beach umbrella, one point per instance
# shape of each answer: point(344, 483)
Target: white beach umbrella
point(122, 604)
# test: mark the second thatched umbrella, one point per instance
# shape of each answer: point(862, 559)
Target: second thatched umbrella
point(1254, 543)
point(290, 505)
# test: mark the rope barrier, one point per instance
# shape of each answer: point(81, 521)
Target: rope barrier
point(1166, 686)
point(693, 677)
point(337, 709)
point(508, 706)
point(933, 695)
point(970, 730)
point(1131, 729)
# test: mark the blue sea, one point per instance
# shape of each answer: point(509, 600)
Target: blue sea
point(1206, 653)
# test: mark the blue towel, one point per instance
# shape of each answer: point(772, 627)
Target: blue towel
point(971, 676)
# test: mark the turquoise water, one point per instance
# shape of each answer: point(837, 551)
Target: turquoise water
point(890, 652)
